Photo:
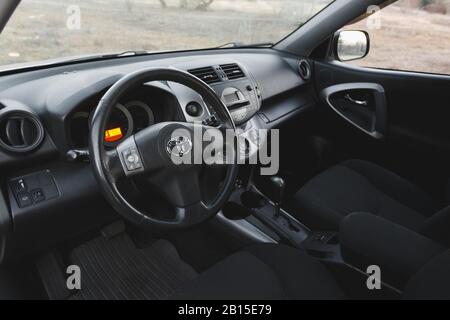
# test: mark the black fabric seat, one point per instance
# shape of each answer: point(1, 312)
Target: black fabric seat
point(360, 186)
point(264, 272)
point(275, 272)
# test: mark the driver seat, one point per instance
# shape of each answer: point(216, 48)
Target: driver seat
point(275, 272)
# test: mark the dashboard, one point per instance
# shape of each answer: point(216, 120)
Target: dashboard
point(145, 106)
point(45, 115)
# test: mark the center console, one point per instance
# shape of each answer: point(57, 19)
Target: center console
point(252, 206)
point(363, 240)
point(241, 96)
point(234, 84)
point(272, 219)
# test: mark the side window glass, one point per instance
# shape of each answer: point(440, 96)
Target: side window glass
point(408, 35)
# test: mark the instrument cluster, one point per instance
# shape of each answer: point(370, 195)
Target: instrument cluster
point(125, 120)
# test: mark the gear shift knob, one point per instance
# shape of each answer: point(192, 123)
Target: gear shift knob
point(279, 185)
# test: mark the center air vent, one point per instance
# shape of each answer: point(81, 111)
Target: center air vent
point(20, 132)
point(232, 71)
point(207, 74)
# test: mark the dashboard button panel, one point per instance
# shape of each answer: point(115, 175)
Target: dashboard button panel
point(24, 199)
point(34, 188)
point(19, 185)
point(38, 195)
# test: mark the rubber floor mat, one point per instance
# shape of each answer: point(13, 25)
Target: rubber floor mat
point(115, 269)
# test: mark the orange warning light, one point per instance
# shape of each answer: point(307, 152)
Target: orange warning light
point(113, 135)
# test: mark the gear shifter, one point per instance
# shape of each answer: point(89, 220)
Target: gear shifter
point(279, 185)
point(280, 222)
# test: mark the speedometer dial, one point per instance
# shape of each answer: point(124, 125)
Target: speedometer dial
point(141, 113)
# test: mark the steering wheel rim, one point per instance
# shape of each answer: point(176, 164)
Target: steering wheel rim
point(107, 165)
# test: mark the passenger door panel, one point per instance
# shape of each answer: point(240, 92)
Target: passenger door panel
point(362, 104)
point(417, 134)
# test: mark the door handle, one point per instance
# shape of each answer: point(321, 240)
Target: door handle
point(363, 103)
point(367, 112)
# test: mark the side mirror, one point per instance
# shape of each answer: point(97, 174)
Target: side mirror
point(351, 45)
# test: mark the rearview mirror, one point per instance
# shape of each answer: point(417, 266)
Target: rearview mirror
point(351, 45)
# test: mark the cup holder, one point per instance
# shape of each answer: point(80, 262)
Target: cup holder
point(234, 211)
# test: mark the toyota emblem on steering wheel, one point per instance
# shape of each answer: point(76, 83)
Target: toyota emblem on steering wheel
point(179, 146)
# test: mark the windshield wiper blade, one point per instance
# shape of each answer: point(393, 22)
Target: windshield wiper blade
point(245, 45)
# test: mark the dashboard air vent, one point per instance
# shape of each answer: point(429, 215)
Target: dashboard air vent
point(304, 69)
point(232, 71)
point(20, 132)
point(207, 74)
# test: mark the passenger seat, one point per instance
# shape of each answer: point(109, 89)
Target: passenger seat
point(360, 186)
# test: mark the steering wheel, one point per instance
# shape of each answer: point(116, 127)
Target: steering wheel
point(151, 152)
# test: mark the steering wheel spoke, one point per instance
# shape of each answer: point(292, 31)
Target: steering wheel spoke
point(192, 214)
point(114, 165)
point(181, 188)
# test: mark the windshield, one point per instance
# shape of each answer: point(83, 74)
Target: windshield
point(53, 29)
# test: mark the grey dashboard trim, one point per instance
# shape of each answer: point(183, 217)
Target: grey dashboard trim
point(185, 95)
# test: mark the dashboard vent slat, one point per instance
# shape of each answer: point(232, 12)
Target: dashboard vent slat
point(233, 71)
point(13, 135)
point(207, 74)
point(20, 132)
